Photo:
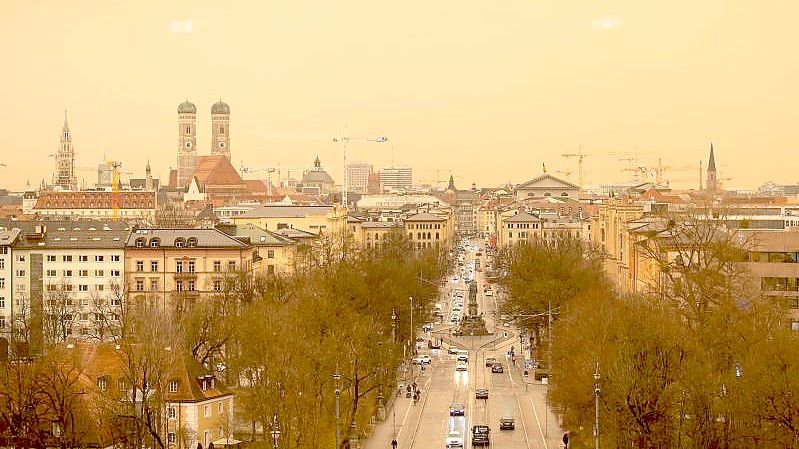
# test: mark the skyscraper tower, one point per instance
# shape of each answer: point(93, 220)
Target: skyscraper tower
point(65, 160)
point(711, 183)
point(220, 129)
point(187, 143)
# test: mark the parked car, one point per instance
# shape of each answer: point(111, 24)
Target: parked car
point(507, 423)
point(481, 393)
point(490, 361)
point(456, 410)
point(497, 368)
point(452, 350)
point(423, 359)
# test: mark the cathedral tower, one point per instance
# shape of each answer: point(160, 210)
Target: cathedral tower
point(65, 160)
point(711, 183)
point(187, 143)
point(220, 129)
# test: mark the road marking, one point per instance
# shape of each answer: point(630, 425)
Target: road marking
point(521, 416)
point(421, 408)
point(540, 430)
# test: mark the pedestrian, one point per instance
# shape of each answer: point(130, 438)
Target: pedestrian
point(394, 443)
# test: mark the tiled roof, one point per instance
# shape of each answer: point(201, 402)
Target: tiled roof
point(216, 170)
point(424, 216)
point(95, 200)
point(295, 233)
point(286, 211)
point(206, 238)
point(381, 224)
point(260, 236)
point(547, 176)
point(522, 217)
point(70, 234)
point(9, 237)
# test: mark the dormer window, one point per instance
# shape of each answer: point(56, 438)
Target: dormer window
point(155, 243)
point(180, 242)
point(139, 243)
point(207, 382)
point(173, 386)
point(191, 242)
point(102, 383)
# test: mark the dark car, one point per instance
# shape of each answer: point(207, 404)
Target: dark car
point(497, 368)
point(456, 409)
point(480, 435)
point(507, 424)
point(490, 361)
point(481, 393)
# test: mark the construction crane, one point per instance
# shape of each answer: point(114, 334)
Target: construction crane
point(580, 155)
point(567, 174)
point(269, 171)
point(115, 172)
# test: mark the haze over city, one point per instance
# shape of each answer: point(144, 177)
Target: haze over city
point(487, 91)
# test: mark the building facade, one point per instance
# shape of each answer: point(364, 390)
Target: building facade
point(167, 266)
point(187, 143)
point(425, 231)
point(358, 177)
point(90, 204)
point(314, 219)
point(546, 186)
point(396, 178)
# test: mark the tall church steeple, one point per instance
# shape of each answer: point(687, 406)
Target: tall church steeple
point(451, 185)
point(220, 129)
point(187, 143)
point(65, 160)
point(712, 183)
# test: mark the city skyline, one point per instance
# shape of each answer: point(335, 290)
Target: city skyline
point(473, 91)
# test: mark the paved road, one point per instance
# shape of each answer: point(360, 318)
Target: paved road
point(426, 424)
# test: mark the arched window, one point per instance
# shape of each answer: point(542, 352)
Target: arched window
point(140, 242)
point(191, 242)
point(155, 242)
point(180, 242)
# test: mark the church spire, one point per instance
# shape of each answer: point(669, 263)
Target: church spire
point(711, 165)
point(451, 185)
point(711, 184)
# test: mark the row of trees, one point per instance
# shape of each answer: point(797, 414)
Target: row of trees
point(703, 363)
point(275, 341)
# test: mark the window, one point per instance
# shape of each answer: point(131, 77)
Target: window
point(2, 282)
point(52, 287)
point(140, 243)
point(2, 322)
point(21, 258)
point(217, 266)
point(21, 288)
point(99, 258)
point(51, 273)
point(99, 287)
point(179, 243)
point(191, 266)
point(2, 302)
point(83, 288)
point(99, 273)
point(2, 264)
point(207, 411)
point(83, 258)
point(270, 254)
point(217, 286)
point(191, 242)
point(171, 438)
point(21, 273)
point(139, 265)
point(83, 273)
point(115, 258)
point(173, 386)
point(68, 288)
point(116, 301)
point(221, 407)
point(270, 269)
point(179, 266)
point(191, 286)
point(155, 243)
point(67, 273)
point(231, 266)
point(178, 286)
point(66, 258)
point(153, 285)
point(51, 258)
point(139, 285)
point(154, 266)
point(102, 384)
point(115, 273)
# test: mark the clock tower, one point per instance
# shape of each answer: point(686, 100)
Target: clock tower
point(220, 129)
point(187, 143)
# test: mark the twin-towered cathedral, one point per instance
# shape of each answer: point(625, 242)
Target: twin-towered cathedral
point(187, 137)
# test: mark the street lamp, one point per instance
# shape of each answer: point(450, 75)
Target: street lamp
point(275, 431)
point(394, 319)
point(337, 377)
point(596, 407)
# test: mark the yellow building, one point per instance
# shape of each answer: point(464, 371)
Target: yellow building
point(609, 230)
point(162, 265)
point(426, 230)
point(274, 253)
point(373, 234)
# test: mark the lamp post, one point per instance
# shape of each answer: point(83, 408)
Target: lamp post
point(337, 377)
point(596, 407)
point(394, 319)
point(275, 431)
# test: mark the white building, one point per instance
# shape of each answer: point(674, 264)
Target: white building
point(396, 178)
point(358, 176)
point(70, 272)
point(7, 240)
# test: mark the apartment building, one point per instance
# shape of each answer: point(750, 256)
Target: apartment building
point(7, 240)
point(426, 230)
point(69, 274)
point(329, 220)
point(274, 254)
point(126, 204)
point(164, 266)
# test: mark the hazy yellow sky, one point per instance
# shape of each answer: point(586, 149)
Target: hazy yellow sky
point(486, 89)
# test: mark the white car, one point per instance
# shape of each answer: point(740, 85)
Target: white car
point(461, 366)
point(454, 440)
point(423, 359)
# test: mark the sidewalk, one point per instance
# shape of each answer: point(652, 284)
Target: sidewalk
point(401, 419)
